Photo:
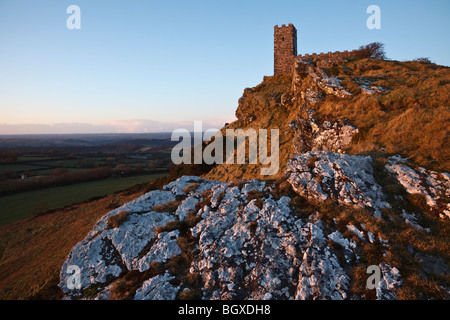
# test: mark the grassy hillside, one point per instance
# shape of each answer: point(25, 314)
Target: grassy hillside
point(33, 250)
point(410, 118)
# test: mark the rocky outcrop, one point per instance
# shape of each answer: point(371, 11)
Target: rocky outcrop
point(321, 274)
point(334, 136)
point(105, 253)
point(434, 186)
point(304, 68)
point(250, 245)
point(248, 241)
point(310, 85)
point(247, 249)
point(343, 178)
point(327, 136)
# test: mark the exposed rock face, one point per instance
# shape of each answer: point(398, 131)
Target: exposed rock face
point(434, 186)
point(389, 281)
point(343, 178)
point(310, 85)
point(327, 136)
point(321, 274)
point(311, 96)
point(334, 136)
point(367, 87)
point(303, 68)
point(255, 102)
point(248, 247)
point(157, 288)
point(161, 251)
point(247, 251)
point(105, 253)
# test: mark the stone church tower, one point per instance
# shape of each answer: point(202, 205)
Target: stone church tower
point(285, 48)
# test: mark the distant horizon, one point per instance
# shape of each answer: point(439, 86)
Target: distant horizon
point(84, 134)
point(137, 126)
point(140, 66)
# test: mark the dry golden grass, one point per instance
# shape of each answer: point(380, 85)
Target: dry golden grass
point(116, 220)
point(257, 196)
point(32, 251)
point(170, 206)
point(169, 226)
point(412, 119)
point(191, 187)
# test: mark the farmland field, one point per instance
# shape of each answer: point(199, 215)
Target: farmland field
point(26, 204)
point(66, 163)
point(39, 173)
point(33, 158)
point(19, 167)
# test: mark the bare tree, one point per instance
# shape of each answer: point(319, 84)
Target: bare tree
point(423, 60)
point(373, 50)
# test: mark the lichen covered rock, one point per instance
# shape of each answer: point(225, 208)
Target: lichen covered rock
point(343, 178)
point(303, 68)
point(248, 245)
point(434, 186)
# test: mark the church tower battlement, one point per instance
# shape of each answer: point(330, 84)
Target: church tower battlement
point(285, 48)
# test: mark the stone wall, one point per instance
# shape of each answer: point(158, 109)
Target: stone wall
point(331, 55)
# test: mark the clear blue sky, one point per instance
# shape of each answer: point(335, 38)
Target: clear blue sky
point(136, 62)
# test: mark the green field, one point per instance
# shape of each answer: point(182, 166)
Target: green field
point(66, 163)
point(44, 172)
point(33, 158)
point(23, 205)
point(18, 167)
